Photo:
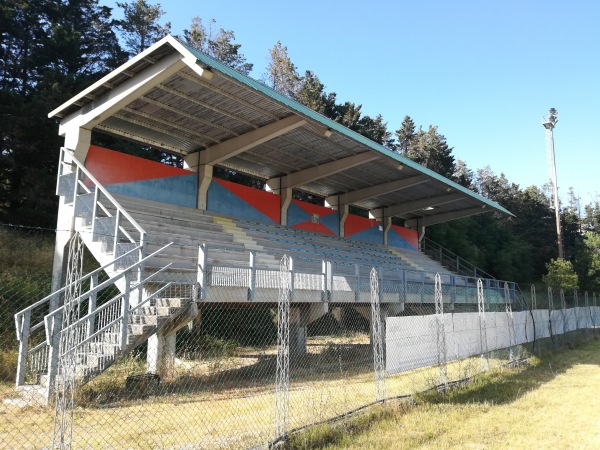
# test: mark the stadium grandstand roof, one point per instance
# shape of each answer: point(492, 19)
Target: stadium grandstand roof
point(176, 98)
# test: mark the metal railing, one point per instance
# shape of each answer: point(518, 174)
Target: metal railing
point(451, 260)
point(43, 356)
point(109, 221)
point(341, 282)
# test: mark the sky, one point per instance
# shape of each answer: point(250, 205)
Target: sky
point(484, 72)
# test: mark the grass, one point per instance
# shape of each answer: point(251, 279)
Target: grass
point(230, 406)
point(548, 404)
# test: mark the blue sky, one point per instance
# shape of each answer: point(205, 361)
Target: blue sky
point(483, 72)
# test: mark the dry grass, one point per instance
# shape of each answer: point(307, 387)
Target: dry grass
point(227, 403)
point(550, 404)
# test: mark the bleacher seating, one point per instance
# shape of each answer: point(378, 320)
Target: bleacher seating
point(188, 227)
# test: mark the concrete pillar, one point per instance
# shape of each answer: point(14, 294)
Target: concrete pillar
point(344, 211)
point(274, 185)
point(161, 354)
point(300, 317)
point(191, 162)
point(77, 143)
point(298, 323)
point(387, 226)
point(335, 202)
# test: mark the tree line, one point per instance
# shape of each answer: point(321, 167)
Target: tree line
point(53, 49)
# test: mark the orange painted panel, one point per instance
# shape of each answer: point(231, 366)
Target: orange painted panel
point(355, 224)
point(111, 167)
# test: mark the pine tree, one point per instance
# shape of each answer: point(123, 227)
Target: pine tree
point(282, 75)
point(49, 51)
point(405, 134)
point(140, 26)
point(219, 45)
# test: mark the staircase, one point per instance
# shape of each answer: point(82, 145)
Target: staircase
point(140, 303)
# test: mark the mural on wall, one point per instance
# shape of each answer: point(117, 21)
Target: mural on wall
point(130, 175)
point(403, 238)
point(237, 200)
point(313, 218)
point(138, 177)
point(363, 229)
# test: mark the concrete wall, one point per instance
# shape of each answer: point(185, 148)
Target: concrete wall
point(138, 177)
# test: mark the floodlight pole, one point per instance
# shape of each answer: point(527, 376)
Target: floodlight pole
point(549, 124)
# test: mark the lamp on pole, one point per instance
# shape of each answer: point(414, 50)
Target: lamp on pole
point(549, 124)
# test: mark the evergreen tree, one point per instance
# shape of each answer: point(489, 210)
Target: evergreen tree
point(219, 45)
point(405, 134)
point(50, 51)
point(282, 75)
point(430, 149)
point(311, 93)
point(140, 26)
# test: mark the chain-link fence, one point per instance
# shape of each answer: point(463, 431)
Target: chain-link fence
point(239, 355)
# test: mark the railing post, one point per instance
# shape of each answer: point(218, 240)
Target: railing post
point(91, 322)
point(324, 280)
point(252, 278)
point(23, 330)
point(116, 236)
point(357, 288)
point(292, 278)
point(142, 266)
point(201, 273)
point(53, 353)
point(125, 314)
point(452, 292)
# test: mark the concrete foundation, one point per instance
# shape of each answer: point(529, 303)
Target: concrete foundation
point(161, 355)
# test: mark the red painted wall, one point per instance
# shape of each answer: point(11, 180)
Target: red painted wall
point(111, 167)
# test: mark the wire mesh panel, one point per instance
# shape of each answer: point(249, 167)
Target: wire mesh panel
point(238, 353)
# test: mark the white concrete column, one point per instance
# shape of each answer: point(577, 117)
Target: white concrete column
point(77, 143)
point(161, 354)
point(298, 323)
point(78, 140)
point(274, 185)
point(387, 226)
point(191, 162)
point(344, 211)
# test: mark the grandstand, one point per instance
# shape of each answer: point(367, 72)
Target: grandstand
point(171, 239)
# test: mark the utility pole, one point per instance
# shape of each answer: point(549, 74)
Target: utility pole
point(549, 124)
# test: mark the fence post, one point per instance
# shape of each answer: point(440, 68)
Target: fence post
point(91, 322)
point(323, 280)
point(23, 331)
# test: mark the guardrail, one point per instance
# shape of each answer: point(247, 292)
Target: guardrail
point(451, 260)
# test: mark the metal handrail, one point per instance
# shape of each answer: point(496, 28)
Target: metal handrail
point(446, 255)
point(102, 189)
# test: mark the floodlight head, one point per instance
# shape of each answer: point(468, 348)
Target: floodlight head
point(550, 122)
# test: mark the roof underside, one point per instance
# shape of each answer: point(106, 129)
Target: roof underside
point(187, 113)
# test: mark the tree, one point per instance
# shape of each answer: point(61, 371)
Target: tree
point(140, 25)
point(463, 175)
point(282, 74)
point(311, 93)
point(219, 45)
point(561, 275)
point(405, 134)
point(430, 149)
point(49, 51)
